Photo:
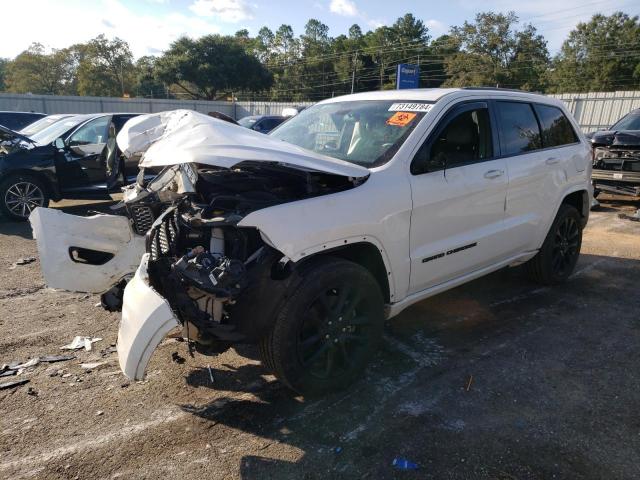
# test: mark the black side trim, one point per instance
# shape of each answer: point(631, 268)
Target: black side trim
point(449, 252)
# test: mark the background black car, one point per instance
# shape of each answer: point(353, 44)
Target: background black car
point(616, 157)
point(262, 123)
point(19, 120)
point(76, 157)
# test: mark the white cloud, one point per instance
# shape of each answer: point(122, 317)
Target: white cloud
point(436, 27)
point(231, 11)
point(346, 8)
point(146, 33)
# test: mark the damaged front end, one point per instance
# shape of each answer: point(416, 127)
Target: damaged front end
point(616, 162)
point(220, 282)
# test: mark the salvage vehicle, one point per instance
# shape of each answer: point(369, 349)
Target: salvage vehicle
point(306, 240)
point(75, 157)
point(616, 157)
point(19, 120)
point(262, 123)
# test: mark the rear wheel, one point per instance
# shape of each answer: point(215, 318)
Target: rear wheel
point(561, 248)
point(20, 195)
point(326, 332)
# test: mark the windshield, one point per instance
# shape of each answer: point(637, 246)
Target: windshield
point(365, 132)
point(40, 125)
point(53, 131)
point(629, 122)
point(247, 121)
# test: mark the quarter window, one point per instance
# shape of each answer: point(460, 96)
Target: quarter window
point(465, 139)
point(519, 129)
point(556, 128)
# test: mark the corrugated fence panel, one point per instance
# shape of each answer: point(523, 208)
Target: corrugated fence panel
point(73, 104)
point(593, 110)
point(599, 110)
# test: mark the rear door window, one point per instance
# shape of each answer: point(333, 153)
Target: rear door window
point(519, 131)
point(556, 127)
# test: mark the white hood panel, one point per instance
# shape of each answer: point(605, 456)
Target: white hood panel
point(185, 136)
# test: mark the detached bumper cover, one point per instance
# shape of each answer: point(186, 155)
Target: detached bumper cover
point(146, 320)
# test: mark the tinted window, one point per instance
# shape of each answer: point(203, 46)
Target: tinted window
point(519, 130)
point(120, 120)
point(270, 123)
point(466, 138)
point(92, 133)
point(556, 128)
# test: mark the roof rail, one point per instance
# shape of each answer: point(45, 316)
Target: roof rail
point(500, 89)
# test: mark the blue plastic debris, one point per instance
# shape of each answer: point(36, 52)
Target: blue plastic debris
point(337, 450)
point(404, 464)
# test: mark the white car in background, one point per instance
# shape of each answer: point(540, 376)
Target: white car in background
point(306, 240)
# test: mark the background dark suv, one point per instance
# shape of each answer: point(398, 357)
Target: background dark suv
point(76, 157)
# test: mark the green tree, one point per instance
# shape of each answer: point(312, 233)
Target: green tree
point(105, 67)
point(598, 56)
point(147, 83)
point(211, 65)
point(492, 52)
point(4, 62)
point(34, 71)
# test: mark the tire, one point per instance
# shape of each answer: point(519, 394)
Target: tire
point(559, 254)
point(327, 329)
point(20, 195)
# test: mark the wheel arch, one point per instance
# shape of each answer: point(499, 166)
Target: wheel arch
point(580, 200)
point(51, 187)
point(366, 254)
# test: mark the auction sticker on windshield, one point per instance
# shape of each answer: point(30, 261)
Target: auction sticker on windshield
point(410, 107)
point(400, 119)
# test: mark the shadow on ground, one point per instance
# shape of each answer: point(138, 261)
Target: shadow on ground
point(499, 378)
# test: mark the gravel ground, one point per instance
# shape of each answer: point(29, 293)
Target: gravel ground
point(497, 379)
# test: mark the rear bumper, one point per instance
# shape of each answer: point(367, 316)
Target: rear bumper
point(146, 320)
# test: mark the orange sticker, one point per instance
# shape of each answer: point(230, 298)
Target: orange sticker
point(401, 119)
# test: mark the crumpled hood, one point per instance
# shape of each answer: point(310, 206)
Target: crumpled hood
point(8, 134)
point(617, 138)
point(185, 136)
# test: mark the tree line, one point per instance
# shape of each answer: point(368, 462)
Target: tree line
point(494, 49)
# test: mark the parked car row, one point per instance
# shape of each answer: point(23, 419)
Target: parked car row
point(70, 157)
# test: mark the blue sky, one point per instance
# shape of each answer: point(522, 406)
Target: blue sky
point(150, 25)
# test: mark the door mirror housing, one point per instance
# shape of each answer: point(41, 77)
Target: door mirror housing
point(59, 143)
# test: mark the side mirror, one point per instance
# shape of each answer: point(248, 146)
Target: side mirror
point(59, 143)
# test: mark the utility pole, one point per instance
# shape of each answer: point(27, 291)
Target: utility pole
point(353, 73)
point(381, 69)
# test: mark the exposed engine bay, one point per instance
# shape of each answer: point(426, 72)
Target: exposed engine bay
point(222, 281)
point(616, 162)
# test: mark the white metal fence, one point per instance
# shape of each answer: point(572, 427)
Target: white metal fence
point(599, 110)
point(73, 104)
point(592, 110)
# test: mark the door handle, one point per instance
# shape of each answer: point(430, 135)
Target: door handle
point(551, 161)
point(493, 174)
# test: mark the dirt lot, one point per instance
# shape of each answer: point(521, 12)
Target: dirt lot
point(496, 379)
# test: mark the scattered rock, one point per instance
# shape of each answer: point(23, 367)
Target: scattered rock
point(22, 261)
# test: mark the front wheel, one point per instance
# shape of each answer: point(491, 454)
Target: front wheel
point(327, 330)
point(559, 254)
point(20, 195)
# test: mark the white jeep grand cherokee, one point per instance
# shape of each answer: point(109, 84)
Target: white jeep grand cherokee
point(306, 240)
